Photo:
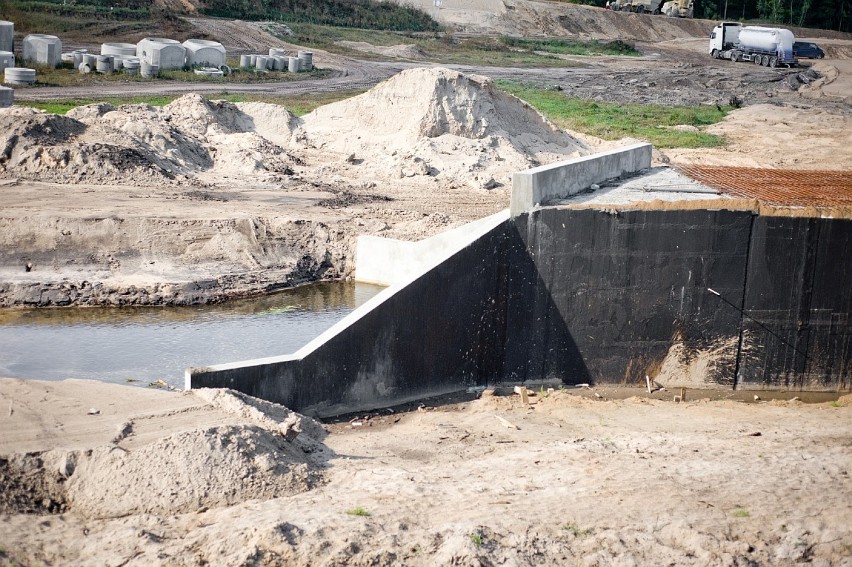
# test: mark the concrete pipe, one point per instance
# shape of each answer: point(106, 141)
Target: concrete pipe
point(245, 61)
point(120, 51)
point(261, 62)
point(204, 52)
point(42, 49)
point(7, 59)
point(279, 63)
point(147, 70)
point(18, 76)
point(7, 36)
point(85, 68)
point(7, 97)
point(278, 52)
point(293, 64)
point(90, 59)
point(306, 59)
point(105, 64)
point(131, 65)
point(77, 57)
point(252, 60)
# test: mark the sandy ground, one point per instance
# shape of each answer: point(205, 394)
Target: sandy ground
point(569, 479)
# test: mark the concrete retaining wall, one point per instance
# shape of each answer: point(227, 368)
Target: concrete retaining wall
point(699, 298)
point(603, 298)
point(430, 335)
point(560, 180)
point(797, 328)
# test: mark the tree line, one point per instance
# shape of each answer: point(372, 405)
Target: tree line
point(823, 14)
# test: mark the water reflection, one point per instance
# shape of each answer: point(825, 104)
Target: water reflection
point(151, 343)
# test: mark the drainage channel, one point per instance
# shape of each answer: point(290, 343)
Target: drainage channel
point(146, 345)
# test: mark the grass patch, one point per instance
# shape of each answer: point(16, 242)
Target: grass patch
point(477, 539)
point(370, 14)
point(575, 530)
point(741, 513)
point(297, 104)
point(573, 47)
point(358, 512)
point(611, 121)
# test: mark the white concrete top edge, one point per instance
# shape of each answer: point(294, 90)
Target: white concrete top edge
point(565, 178)
point(483, 226)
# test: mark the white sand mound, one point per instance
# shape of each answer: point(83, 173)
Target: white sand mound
point(273, 452)
point(140, 144)
point(436, 121)
point(185, 471)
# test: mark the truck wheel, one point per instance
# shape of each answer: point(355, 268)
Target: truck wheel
point(714, 54)
point(755, 59)
point(764, 60)
point(773, 62)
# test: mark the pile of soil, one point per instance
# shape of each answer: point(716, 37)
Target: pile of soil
point(440, 123)
point(267, 452)
point(142, 145)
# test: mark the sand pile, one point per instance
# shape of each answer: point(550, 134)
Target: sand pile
point(424, 122)
point(140, 144)
point(440, 123)
point(258, 450)
point(46, 147)
point(213, 467)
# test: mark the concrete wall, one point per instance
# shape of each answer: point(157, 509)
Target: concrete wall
point(386, 261)
point(699, 298)
point(609, 298)
point(797, 329)
point(433, 334)
point(560, 180)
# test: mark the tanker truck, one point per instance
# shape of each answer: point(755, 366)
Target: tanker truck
point(770, 47)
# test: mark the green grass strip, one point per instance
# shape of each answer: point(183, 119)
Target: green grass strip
point(611, 121)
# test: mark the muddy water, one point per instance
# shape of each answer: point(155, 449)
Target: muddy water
point(142, 345)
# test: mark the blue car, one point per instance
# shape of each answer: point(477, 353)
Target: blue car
point(807, 50)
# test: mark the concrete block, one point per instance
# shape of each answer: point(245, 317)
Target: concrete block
point(161, 52)
point(565, 178)
point(42, 49)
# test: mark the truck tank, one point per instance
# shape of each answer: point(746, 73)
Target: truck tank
point(767, 39)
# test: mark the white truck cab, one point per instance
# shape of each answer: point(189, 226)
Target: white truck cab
point(724, 36)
